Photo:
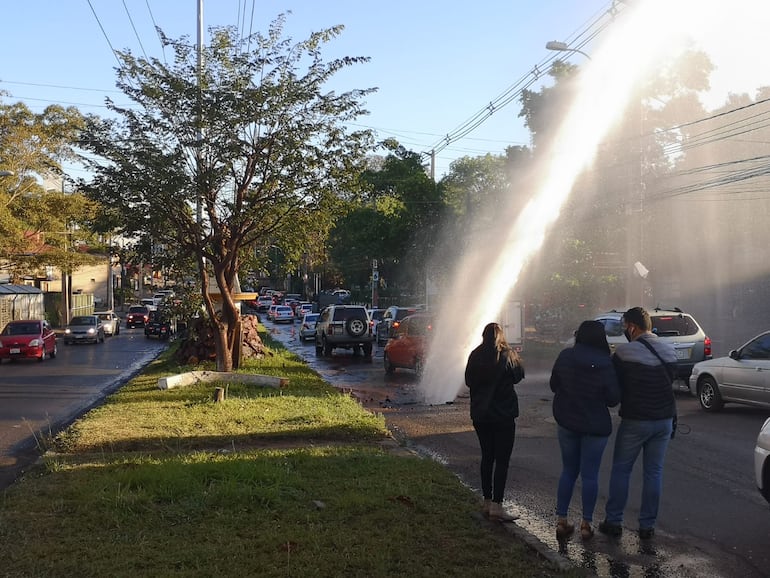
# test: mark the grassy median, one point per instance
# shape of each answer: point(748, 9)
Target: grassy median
point(294, 481)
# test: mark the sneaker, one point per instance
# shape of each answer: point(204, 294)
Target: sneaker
point(646, 533)
point(610, 529)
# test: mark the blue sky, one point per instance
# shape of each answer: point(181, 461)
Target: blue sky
point(436, 64)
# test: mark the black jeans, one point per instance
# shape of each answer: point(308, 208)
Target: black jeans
point(496, 441)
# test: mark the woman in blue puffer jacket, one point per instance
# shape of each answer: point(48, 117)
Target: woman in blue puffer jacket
point(584, 383)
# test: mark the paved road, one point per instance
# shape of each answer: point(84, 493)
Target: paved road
point(713, 521)
point(37, 398)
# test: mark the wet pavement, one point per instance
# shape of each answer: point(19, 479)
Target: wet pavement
point(444, 433)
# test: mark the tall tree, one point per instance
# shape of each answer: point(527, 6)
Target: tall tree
point(38, 225)
point(251, 140)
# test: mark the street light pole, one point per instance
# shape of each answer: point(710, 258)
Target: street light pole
point(563, 47)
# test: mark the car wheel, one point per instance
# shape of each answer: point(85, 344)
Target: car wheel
point(356, 327)
point(54, 352)
point(368, 349)
point(356, 350)
point(389, 367)
point(708, 395)
point(379, 339)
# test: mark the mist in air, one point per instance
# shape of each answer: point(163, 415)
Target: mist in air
point(643, 36)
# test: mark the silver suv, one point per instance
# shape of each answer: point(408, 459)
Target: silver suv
point(673, 326)
point(345, 326)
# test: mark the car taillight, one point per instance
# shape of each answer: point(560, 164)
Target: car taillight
point(707, 347)
point(396, 324)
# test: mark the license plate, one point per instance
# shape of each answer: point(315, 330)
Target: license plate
point(15, 350)
point(683, 354)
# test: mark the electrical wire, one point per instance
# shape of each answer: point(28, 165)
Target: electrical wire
point(597, 23)
point(107, 38)
point(131, 20)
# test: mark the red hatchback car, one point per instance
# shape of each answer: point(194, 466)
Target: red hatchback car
point(27, 339)
point(408, 346)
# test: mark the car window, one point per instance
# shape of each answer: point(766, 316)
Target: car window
point(344, 313)
point(420, 326)
point(22, 329)
point(673, 325)
point(612, 327)
point(377, 315)
point(758, 348)
point(401, 313)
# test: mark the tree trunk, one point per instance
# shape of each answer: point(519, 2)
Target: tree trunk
point(223, 347)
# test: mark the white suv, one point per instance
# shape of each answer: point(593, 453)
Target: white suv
point(345, 326)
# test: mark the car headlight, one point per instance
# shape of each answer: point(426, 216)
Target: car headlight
point(35, 343)
point(91, 330)
point(68, 330)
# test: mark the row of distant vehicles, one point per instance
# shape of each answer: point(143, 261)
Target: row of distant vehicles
point(403, 331)
point(36, 339)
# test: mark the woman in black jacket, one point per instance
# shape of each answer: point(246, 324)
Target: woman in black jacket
point(584, 383)
point(492, 370)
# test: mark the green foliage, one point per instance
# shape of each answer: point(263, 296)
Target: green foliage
point(253, 141)
point(34, 221)
point(397, 223)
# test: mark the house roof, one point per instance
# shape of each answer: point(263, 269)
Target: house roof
point(11, 289)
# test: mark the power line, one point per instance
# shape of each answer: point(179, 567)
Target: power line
point(107, 38)
point(131, 20)
point(514, 91)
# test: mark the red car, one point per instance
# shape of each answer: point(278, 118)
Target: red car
point(408, 346)
point(27, 339)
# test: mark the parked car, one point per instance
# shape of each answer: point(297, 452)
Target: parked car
point(762, 460)
point(283, 314)
point(307, 328)
point(137, 316)
point(86, 328)
point(160, 325)
point(741, 377)
point(390, 321)
point(110, 321)
point(408, 346)
point(674, 326)
point(345, 326)
point(27, 339)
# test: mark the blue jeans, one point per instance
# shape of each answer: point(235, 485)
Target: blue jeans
point(581, 454)
point(650, 437)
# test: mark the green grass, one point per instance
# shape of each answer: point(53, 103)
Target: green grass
point(289, 482)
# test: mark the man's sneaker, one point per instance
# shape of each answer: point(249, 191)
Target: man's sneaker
point(646, 533)
point(610, 529)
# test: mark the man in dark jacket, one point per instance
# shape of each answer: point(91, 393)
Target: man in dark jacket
point(647, 410)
